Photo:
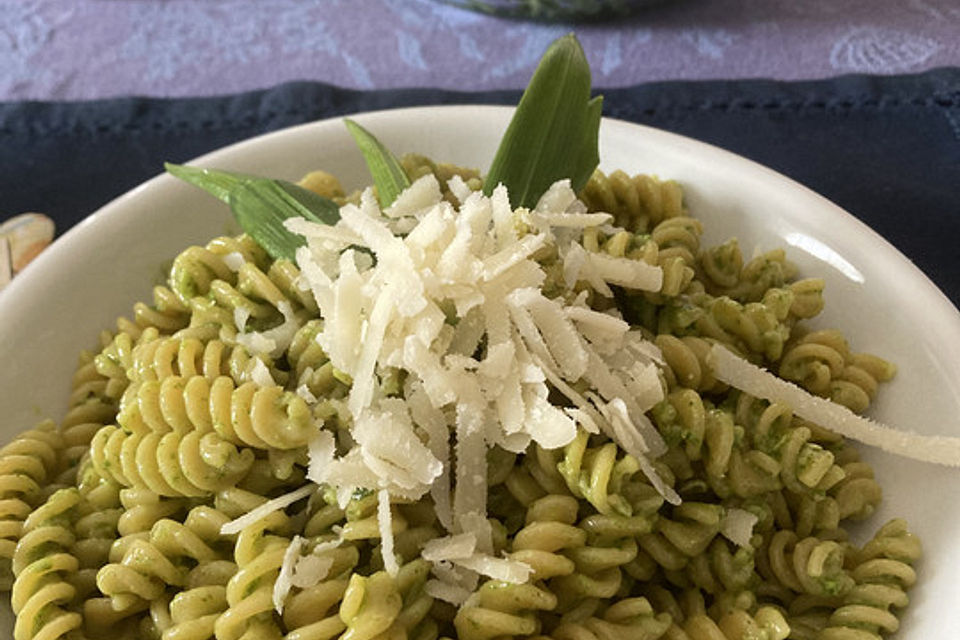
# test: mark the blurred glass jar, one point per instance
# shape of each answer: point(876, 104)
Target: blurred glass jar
point(557, 10)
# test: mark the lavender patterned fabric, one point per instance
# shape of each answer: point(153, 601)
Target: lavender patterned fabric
point(77, 49)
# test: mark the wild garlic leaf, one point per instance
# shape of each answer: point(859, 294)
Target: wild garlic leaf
point(213, 181)
point(388, 175)
point(553, 132)
point(261, 205)
point(590, 145)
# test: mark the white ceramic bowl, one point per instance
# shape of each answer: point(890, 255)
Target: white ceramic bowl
point(97, 270)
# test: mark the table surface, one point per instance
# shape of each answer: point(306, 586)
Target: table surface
point(81, 49)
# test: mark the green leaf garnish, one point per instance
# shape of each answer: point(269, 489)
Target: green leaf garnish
point(553, 133)
point(213, 181)
point(261, 205)
point(388, 175)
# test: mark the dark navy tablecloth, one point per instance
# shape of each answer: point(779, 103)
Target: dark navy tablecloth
point(887, 149)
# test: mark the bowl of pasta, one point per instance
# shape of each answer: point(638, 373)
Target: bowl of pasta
point(621, 412)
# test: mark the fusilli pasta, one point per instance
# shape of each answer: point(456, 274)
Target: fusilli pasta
point(207, 405)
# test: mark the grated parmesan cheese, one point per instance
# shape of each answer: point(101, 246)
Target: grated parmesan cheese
point(632, 274)
point(261, 375)
point(257, 343)
point(503, 569)
point(385, 520)
point(283, 583)
point(557, 198)
point(454, 547)
point(304, 392)
point(336, 237)
point(234, 260)
point(737, 372)
point(424, 192)
point(255, 515)
point(456, 300)
point(240, 317)
point(459, 188)
point(574, 220)
point(737, 526)
point(302, 571)
point(320, 453)
point(310, 570)
point(272, 342)
point(446, 591)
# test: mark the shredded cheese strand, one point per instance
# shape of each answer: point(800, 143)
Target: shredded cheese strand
point(758, 382)
point(254, 515)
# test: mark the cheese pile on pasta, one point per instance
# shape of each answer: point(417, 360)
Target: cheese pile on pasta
point(422, 288)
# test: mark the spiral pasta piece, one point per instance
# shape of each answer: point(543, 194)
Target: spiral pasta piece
point(628, 619)
point(115, 360)
point(597, 475)
point(285, 276)
point(767, 623)
point(626, 504)
point(26, 465)
point(411, 621)
point(194, 270)
point(193, 612)
point(678, 237)
point(721, 572)
point(637, 203)
point(550, 529)
point(243, 247)
point(598, 571)
point(169, 464)
point(261, 417)
point(721, 265)
point(810, 565)
point(823, 363)
point(499, 609)
point(167, 314)
point(185, 357)
point(322, 183)
point(805, 466)
point(760, 328)
point(245, 414)
point(312, 613)
point(686, 534)
point(151, 564)
point(370, 606)
point(686, 363)
point(725, 274)
point(83, 419)
point(96, 524)
point(749, 472)
point(858, 494)
point(249, 592)
point(537, 475)
point(883, 575)
point(311, 366)
point(253, 294)
point(41, 595)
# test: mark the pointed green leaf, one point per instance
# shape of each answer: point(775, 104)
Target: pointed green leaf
point(589, 156)
point(553, 132)
point(388, 175)
point(217, 183)
point(261, 205)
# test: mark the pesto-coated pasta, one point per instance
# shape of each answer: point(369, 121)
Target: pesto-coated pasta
point(132, 518)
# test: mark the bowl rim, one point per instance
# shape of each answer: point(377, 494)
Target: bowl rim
point(118, 205)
